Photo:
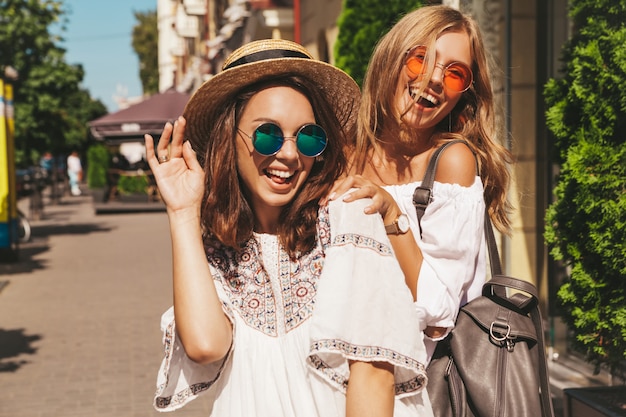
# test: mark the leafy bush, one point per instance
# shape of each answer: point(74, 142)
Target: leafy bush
point(586, 225)
point(98, 161)
point(133, 185)
point(361, 24)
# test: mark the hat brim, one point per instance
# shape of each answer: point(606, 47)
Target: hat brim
point(340, 90)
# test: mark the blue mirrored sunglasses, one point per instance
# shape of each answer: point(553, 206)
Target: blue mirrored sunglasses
point(268, 138)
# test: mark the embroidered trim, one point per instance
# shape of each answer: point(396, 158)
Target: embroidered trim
point(180, 398)
point(327, 372)
point(168, 343)
point(365, 353)
point(247, 284)
point(363, 242)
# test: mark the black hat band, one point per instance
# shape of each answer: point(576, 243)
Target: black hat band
point(264, 55)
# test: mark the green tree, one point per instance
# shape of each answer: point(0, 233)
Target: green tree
point(145, 44)
point(82, 110)
point(586, 225)
point(47, 91)
point(361, 24)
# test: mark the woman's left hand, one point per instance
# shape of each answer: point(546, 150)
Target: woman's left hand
point(382, 201)
point(178, 173)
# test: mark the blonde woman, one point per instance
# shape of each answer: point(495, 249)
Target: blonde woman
point(428, 82)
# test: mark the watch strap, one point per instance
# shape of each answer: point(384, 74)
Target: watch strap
point(392, 229)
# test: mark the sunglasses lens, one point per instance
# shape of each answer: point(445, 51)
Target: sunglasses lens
point(414, 62)
point(311, 140)
point(457, 77)
point(267, 139)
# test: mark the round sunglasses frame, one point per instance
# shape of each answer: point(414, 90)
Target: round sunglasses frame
point(411, 54)
point(282, 138)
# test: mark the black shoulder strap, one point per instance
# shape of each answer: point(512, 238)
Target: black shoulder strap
point(423, 194)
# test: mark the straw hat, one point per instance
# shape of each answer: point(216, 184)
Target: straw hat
point(261, 60)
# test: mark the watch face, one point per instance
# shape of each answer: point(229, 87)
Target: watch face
point(403, 223)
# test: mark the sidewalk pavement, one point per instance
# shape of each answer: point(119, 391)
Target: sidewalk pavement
point(79, 317)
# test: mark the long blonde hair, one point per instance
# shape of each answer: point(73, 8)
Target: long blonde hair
point(472, 119)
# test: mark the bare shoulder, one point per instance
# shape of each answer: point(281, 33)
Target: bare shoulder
point(457, 165)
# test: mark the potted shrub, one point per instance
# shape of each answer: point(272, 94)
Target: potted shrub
point(98, 161)
point(586, 224)
point(133, 188)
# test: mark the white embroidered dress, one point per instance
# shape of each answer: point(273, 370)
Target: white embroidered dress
point(288, 359)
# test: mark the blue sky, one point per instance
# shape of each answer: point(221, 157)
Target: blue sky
point(99, 37)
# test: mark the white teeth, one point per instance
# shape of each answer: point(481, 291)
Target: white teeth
point(430, 98)
point(425, 96)
point(281, 174)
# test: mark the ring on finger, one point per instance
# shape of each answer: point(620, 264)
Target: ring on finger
point(164, 158)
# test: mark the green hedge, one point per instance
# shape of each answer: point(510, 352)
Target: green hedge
point(586, 225)
point(133, 185)
point(98, 161)
point(361, 24)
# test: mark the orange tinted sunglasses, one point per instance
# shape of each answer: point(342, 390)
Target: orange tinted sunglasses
point(456, 76)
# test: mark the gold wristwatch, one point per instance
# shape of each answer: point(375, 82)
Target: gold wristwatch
point(399, 226)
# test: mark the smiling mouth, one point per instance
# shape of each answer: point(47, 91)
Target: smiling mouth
point(424, 100)
point(281, 177)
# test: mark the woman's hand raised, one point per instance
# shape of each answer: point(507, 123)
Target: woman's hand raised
point(178, 173)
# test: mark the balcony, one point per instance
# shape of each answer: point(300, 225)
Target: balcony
point(187, 26)
point(195, 7)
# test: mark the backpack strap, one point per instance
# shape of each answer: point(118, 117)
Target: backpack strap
point(544, 380)
point(423, 194)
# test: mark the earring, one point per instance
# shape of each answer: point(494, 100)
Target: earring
point(449, 122)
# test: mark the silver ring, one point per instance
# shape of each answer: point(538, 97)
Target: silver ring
point(164, 158)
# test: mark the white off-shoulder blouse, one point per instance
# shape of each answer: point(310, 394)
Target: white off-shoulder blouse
point(298, 323)
point(454, 249)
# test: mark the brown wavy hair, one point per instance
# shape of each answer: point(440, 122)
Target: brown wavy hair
point(472, 119)
point(227, 215)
